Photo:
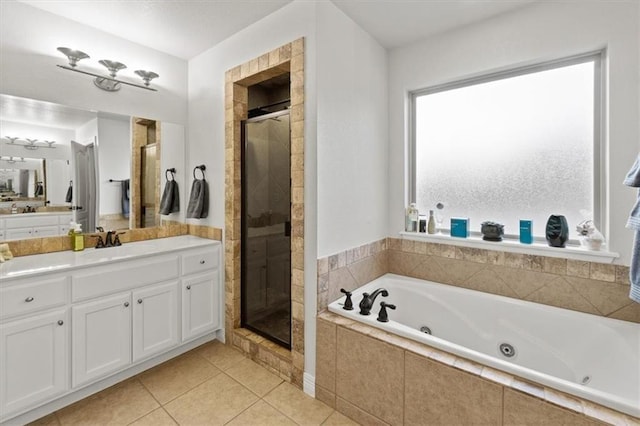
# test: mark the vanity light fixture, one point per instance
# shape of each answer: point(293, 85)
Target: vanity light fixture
point(30, 144)
point(11, 160)
point(109, 83)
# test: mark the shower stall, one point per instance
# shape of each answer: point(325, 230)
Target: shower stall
point(266, 227)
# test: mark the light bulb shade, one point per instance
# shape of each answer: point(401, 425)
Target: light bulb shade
point(147, 76)
point(112, 66)
point(73, 55)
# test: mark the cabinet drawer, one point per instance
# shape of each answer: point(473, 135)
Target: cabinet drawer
point(24, 298)
point(201, 260)
point(122, 276)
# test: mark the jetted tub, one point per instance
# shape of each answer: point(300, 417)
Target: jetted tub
point(592, 357)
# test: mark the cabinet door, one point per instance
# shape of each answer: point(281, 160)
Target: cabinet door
point(101, 337)
point(34, 360)
point(200, 304)
point(155, 319)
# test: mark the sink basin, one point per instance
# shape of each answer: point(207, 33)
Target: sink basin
point(125, 250)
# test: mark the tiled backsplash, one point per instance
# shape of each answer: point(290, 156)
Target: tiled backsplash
point(595, 288)
point(62, 243)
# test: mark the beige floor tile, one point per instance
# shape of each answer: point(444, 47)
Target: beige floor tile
point(220, 355)
point(214, 402)
point(120, 404)
point(298, 406)
point(261, 414)
point(255, 377)
point(337, 419)
point(50, 420)
point(157, 417)
point(177, 376)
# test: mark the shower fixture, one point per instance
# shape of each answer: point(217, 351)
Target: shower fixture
point(109, 83)
point(30, 144)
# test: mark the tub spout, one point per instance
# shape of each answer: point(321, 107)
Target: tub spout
point(368, 299)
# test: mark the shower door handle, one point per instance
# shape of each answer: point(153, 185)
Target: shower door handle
point(287, 229)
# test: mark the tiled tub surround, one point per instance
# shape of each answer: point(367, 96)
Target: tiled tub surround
point(594, 288)
point(552, 346)
point(379, 378)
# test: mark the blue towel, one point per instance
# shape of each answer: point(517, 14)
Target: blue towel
point(124, 197)
point(633, 180)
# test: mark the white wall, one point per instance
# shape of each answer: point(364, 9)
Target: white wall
point(345, 129)
point(114, 161)
point(206, 125)
point(539, 32)
point(28, 41)
point(352, 134)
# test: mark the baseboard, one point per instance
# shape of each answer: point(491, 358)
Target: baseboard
point(309, 384)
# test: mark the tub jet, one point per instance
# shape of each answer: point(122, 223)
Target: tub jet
point(507, 350)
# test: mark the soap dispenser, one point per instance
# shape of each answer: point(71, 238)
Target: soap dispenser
point(77, 237)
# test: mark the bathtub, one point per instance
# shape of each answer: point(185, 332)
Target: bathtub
point(591, 357)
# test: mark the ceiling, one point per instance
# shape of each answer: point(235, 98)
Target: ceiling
point(186, 28)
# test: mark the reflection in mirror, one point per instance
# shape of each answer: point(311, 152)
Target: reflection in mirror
point(84, 165)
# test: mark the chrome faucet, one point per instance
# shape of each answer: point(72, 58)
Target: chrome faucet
point(368, 299)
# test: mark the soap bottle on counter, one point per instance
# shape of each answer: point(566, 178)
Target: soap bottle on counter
point(431, 225)
point(411, 218)
point(77, 237)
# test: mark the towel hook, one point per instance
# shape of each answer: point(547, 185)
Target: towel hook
point(202, 168)
point(172, 171)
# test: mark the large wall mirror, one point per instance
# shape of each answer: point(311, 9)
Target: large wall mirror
point(103, 170)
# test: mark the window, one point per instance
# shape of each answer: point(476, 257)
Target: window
point(522, 144)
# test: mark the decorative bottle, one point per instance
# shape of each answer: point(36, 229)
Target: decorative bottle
point(557, 230)
point(411, 220)
point(431, 225)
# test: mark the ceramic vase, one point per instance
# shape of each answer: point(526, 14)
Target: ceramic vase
point(557, 230)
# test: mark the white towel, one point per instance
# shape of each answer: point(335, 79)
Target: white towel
point(633, 180)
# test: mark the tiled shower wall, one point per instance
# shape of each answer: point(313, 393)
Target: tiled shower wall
point(595, 288)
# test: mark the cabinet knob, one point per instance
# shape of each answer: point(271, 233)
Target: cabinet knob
point(29, 299)
point(140, 301)
point(126, 304)
point(188, 287)
point(202, 262)
point(60, 322)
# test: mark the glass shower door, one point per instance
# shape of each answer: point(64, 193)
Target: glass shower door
point(266, 227)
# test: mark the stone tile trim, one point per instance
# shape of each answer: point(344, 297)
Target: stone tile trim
point(588, 409)
point(274, 358)
point(350, 269)
point(63, 243)
point(288, 58)
point(595, 288)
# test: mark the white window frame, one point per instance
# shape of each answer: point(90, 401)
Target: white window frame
point(600, 216)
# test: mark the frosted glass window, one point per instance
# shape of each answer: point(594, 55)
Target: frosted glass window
point(517, 147)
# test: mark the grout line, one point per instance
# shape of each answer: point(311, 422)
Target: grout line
point(251, 405)
point(169, 414)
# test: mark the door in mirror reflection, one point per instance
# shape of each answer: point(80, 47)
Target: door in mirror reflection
point(266, 227)
point(84, 199)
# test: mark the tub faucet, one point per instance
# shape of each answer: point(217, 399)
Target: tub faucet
point(383, 316)
point(367, 300)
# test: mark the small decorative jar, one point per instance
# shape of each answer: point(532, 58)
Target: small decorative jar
point(492, 231)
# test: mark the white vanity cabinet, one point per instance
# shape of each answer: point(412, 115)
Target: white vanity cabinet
point(65, 335)
point(35, 225)
point(101, 337)
point(34, 342)
point(200, 288)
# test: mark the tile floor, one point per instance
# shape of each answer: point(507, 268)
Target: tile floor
point(213, 384)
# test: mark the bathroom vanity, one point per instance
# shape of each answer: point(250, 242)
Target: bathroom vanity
point(73, 323)
point(33, 225)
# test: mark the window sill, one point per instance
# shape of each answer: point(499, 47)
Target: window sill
point(571, 251)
